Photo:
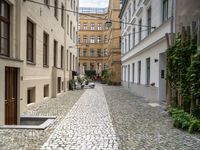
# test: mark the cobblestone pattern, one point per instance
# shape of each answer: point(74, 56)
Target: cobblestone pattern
point(20, 139)
point(87, 126)
point(139, 126)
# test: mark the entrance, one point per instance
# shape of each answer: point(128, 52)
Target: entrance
point(10, 96)
point(162, 77)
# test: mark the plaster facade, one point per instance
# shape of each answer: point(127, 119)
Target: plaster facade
point(37, 81)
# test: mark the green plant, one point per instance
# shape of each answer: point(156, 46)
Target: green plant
point(90, 73)
point(194, 126)
point(71, 84)
point(184, 120)
point(196, 112)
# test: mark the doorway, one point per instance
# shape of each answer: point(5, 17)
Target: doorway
point(162, 77)
point(11, 95)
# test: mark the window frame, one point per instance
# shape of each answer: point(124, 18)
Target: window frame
point(7, 22)
point(45, 49)
point(32, 37)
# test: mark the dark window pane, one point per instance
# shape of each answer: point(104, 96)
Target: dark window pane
point(4, 9)
point(4, 46)
point(4, 30)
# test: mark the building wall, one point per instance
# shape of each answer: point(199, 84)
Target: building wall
point(96, 19)
point(35, 74)
point(151, 46)
point(191, 12)
point(114, 46)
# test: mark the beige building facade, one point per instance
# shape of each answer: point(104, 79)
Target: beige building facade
point(38, 53)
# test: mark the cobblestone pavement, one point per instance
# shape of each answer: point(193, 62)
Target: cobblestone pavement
point(87, 126)
point(20, 139)
point(139, 126)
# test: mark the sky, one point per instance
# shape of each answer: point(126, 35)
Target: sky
point(94, 3)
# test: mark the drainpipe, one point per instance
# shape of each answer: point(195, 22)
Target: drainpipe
point(172, 22)
point(65, 47)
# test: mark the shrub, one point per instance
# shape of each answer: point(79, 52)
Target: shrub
point(196, 112)
point(184, 120)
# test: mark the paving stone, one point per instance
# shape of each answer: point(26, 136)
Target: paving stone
point(139, 125)
point(88, 120)
point(23, 139)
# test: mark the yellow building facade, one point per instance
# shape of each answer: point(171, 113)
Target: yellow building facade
point(92, 42)
point(99, 46)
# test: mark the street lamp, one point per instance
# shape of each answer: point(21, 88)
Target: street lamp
point(108, 23)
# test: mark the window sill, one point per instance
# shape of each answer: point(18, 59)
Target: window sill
point(30, 63)
point(46, 66)
point(9, 58)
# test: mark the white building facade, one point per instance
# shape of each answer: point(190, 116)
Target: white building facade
point(144, 46)
point(38, 53)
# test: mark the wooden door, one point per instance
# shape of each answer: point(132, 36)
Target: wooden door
point(10, 96)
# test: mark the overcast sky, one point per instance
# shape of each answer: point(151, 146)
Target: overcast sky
point(94, 3)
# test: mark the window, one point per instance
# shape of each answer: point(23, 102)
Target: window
point(62, 16)
point(139, 72)
point(92, 26)
point(105, 39)
point(55, 53)
point(74, 35)
point(71, 30)
point(129, 42)
point(5, 28)
point(45, 48)
point(59, 85)
point(92, 66)
point(149, 20)
point(165, 10)
point(92, 39)
point(61, 57)
point(67, 60)
point(99, 26)
point(84, 53)
point(129, 14)
point(85, 39)
point(140, 30)
point(31, 95)
point(85, 26)
point(99, 53)
point(46, 90)
point(74, 6)
point(99, 39)
point(30, 41)
point(79, 39)
point(68, 24)
point(133, 72)
point(46, 2)
point(133, 37)
point(134, 7)
point(85, 65)
point(56, 9)
point(79, 26)
point(92, 53)
point(71, 4)
point(105, 52)
point(148, 71)
point(70, 62)
point(73, 62)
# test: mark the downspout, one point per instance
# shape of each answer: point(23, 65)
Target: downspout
point(65, 46)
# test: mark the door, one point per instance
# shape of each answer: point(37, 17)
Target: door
point(162, 74)
point(10, 96)
point(128, 76)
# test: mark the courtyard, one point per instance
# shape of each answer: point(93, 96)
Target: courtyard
point(106, 117)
